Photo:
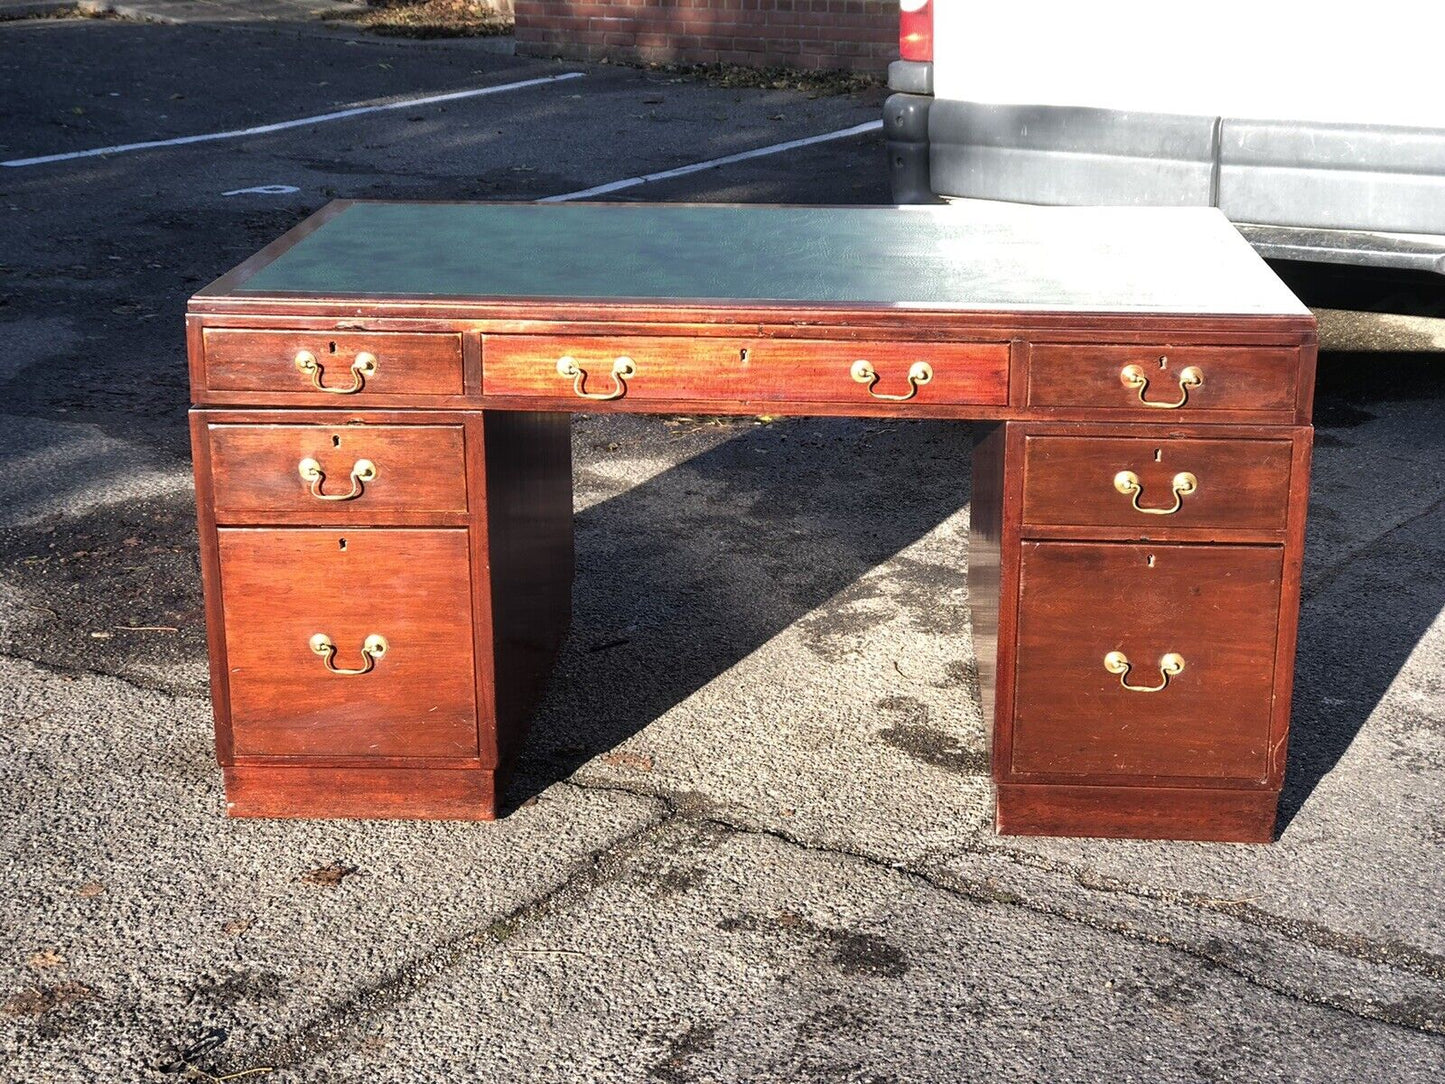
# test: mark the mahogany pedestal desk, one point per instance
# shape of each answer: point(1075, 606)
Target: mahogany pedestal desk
point(383, 471)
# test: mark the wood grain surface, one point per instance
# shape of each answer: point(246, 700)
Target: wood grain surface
point(406, 364)
point(412, 586)
point(745, 369)
point(361, 793)
point(1217, 606)
point(1216, 815)
point(1260, 380)
point(420, 472)
point(1069, 480)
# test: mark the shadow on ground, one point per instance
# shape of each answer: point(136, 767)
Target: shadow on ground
point(684, 574)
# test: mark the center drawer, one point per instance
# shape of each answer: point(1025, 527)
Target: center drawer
point(721, 370)
point(349, 644)
point(1146, 660)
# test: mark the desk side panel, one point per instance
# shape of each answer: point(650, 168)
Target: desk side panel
point(529, 557)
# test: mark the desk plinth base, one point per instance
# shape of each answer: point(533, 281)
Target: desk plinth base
point(459, 794)
point(1182, 813)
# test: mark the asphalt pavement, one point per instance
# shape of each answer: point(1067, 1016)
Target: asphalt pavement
point(750, 838)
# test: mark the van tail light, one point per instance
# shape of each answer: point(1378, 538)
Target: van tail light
point(915, 29)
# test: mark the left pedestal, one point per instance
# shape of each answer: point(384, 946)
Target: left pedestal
point(385, 594)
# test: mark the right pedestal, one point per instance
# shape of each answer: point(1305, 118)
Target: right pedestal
point(1135, 593)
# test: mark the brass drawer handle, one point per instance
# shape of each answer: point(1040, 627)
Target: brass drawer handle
point(1170, 664)
point(623, 369)
point(363, 367)
point(372, 649)
point(1133, 376)
point(919, 373)
point(1184, 483)
point(362, 471)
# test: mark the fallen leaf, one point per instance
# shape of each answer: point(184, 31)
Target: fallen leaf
point(621, 758)
point(38, 1001)
point(45, 958)
point(329, 876)
point(237, 926)
point(90, 890)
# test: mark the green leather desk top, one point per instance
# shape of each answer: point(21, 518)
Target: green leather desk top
point(972, 256)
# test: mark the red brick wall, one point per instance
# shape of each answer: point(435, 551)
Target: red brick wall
point(860, 35)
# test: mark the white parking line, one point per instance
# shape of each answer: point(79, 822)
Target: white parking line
point(281, 126)
point(714, 163)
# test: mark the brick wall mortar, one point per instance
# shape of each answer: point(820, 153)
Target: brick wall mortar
point(857, 35)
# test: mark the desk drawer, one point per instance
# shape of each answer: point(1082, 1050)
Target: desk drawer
point(340, 474)
point(1159, 381)
point(1214, 607)
point(282, 588)
point(334, 365)
point(1149, 484)
point(740, 370)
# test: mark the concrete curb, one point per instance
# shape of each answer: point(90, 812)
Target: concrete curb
point(319, 18)
point(176, 12)
point(30, 9)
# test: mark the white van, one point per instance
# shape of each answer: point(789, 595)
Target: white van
point(1319, 129)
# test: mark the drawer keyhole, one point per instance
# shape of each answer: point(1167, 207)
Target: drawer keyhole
point(336, 443)
point(331, 349)
point(341, 545)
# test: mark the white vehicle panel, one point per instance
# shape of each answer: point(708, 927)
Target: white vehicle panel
point(1376, 63)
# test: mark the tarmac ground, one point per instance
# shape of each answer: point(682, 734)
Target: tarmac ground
point(750, 838)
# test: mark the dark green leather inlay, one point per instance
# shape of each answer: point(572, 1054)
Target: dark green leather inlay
point(1187, 260)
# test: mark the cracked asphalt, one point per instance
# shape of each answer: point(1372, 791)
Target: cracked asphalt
point(750, 838)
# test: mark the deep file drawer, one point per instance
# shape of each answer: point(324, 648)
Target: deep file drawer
point(1146, 660)
point(349, 642)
